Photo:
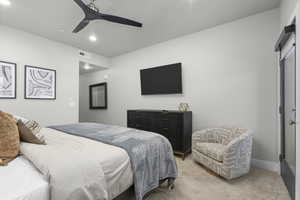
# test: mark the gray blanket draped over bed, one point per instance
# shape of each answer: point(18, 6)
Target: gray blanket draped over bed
point(151, 154)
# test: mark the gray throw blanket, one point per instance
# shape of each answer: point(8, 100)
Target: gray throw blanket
point(151, 154)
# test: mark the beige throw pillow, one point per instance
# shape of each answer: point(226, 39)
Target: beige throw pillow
point(30, 132)
point(9, 138)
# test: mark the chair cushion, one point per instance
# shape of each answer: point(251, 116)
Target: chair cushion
point(212, 150)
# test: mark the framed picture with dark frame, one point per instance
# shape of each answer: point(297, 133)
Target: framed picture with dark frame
point(40, 83)
point(98, 96)
point(8, 80)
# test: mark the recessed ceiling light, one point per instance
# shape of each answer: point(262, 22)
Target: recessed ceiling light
point(93, 38)
point(87, 67)
point(5, 2)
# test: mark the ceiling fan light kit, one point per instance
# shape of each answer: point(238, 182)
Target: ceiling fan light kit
point(92, 13)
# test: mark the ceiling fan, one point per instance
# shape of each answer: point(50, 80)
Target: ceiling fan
point(92, 13)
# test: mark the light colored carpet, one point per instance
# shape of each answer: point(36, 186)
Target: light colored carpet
point(196, 183)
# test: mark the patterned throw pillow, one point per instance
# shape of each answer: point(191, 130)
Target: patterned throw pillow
point(30, 132)
point(9, 138)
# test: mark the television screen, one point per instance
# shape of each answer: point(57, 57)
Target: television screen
point(162, 80)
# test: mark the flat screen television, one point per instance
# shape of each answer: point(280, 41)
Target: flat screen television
point(162, 80)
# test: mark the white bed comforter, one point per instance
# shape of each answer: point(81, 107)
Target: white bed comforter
point(20, 180)
point(80, 168)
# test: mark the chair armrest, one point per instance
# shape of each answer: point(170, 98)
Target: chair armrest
point(238, 151)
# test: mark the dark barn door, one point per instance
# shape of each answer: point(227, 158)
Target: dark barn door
point(288, 110)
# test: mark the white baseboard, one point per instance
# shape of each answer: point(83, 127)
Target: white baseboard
point(268, 165)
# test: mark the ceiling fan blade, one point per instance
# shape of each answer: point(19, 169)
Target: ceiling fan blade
point(81, 25)
point(119, 20)
point(82, 5)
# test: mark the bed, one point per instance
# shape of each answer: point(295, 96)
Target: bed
point(20, 180)
point(78, 167)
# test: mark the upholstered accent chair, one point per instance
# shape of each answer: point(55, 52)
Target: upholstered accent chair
point(225, 151)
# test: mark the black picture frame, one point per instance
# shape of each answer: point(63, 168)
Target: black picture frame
point(91, 94)
point(15, 89)
point(25, 81)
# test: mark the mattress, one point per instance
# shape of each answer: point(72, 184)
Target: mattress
point(20, 180)
point(114, 161)
point(117, 169)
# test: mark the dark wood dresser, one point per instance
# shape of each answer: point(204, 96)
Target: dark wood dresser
point(174, 125)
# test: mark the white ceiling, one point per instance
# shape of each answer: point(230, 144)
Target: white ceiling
point(162, 19)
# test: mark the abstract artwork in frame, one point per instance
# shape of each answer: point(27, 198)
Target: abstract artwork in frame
point(40, 83)
point(8, 74)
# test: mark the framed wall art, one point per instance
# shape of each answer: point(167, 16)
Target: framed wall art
point(8, 80)
point(40, 83)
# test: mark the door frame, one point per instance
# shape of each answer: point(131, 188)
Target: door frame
point(285, 170)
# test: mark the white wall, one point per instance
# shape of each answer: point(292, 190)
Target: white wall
point(287, 11)
point(95, 59)
point(85, 80)
point(27, 49)
point(229, 78)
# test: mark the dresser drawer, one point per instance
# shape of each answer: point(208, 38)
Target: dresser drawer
point(175, 126)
